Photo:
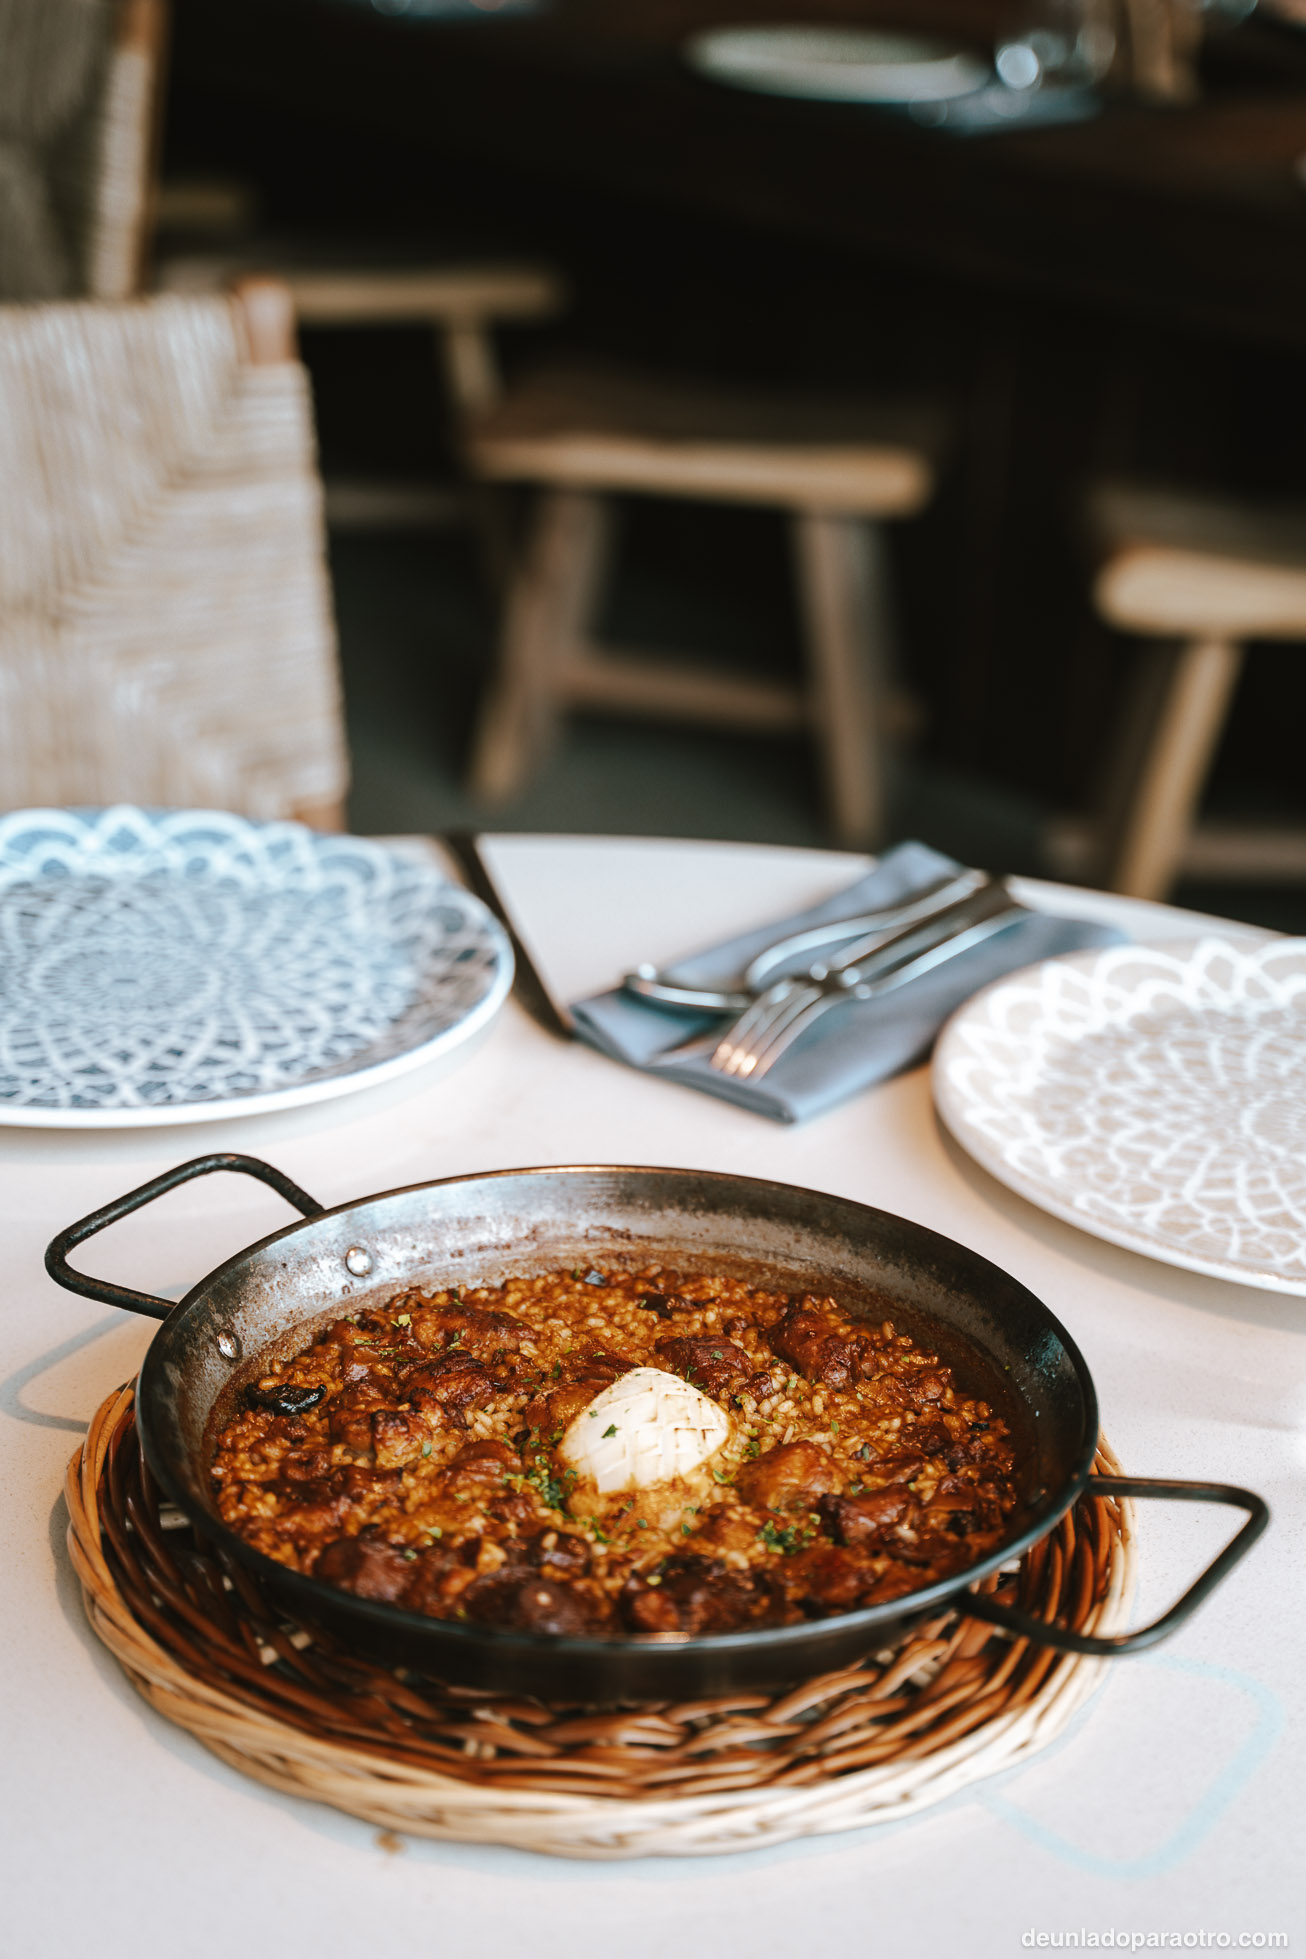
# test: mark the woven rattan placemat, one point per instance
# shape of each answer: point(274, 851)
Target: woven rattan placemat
point(954, 1702)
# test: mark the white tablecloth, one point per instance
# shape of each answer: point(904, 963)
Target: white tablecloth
point(1176, 1803)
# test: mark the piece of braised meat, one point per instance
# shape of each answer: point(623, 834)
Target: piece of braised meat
point(581, 1376)
point(694, 1594)
point(312, 1515)
point(598, 1365)
point(438, 1577)
point(365, 1565)
point(806, 1337)
point(716, 1366)
point(885, 1395)
point(900, 1466)
point(455, 1325)
point(828, 1578)
point(860, 1519)
point(349, 1416)
point(993, 1452)
point(791, 1477)
point(557, 1553)
point(536, 1603)
point(449, 1385)
point(666, 1304)
point(964, 1509)
point(398, 1438)
point(479, 1468)
point(459, 1325)
point(304, 1465)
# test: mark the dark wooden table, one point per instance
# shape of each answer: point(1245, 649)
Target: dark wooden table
point(1192, 215)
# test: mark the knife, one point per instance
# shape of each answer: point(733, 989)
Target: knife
point(465, 847)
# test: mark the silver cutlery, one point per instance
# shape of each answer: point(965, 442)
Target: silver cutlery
point(752, 1046)
point(875, 953)
point(647, 984)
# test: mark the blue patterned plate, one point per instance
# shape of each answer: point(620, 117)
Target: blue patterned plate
point(161, 966)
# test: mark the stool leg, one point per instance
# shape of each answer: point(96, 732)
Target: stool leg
point(549, 603)
point(843, 578)
point(1178, 713)
point(471, 373)
point(465, 352)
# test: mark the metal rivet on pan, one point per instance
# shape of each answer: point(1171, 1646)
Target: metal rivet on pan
point(228, 1344)
point(359, 1261)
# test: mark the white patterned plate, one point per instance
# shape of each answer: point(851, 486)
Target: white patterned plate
point(161, 966)
point(1153, 1095)
point(836, 64)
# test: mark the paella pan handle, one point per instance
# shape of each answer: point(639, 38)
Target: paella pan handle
point(980, 1606)
point(56, 1256)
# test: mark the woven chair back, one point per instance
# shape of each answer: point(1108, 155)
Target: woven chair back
point(165, 627)
point(78, 91)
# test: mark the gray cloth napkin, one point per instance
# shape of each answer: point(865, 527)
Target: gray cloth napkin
point(858, 1043)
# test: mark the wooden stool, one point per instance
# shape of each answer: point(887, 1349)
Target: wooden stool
point(1202, 577)
point(838, 472)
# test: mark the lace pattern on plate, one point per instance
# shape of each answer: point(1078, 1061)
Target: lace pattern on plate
point(158, 960)
point(1155, 1096)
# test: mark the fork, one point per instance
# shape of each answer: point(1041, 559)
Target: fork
point(646, 983)
point(870, 955)
point(750, 1053)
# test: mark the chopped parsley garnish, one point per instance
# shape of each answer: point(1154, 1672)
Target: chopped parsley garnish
point(426, 1448)
point(786, 1538)
point(549, 1488)
point(611, 1429)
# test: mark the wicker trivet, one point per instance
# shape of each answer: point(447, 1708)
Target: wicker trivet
point(955, 1701)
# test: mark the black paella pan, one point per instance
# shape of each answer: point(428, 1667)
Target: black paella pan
point(273, 1298)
